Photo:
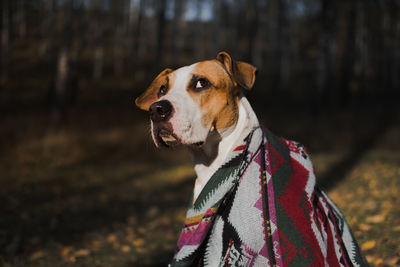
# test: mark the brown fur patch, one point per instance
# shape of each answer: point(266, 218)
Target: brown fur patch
point(151, 95)
point(219, 102)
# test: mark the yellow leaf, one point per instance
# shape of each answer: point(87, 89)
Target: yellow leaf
point(65, 251)
point(138, 242)
point(71, 259)
point(372, 184)
point(392, 261)
point(376, 219)
point(365, 227)
point(81, 253)
point(125, 248)
point(368, 245)
point(111, 238)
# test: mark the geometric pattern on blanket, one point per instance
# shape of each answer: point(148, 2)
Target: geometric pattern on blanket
point(263, 208)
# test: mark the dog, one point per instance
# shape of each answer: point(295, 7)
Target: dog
point(255, 201)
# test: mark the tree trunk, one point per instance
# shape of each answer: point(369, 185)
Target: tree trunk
point(324, 60)
point(216, 27)
point(20, 20)
point(138, 32)
point(396, 54)
point(118, 53)
point(98, 38)
point(119, 40)
point(349, 56)
point(275, 40)
point(198, 44)
point(161, 6)
point(61, 88)
point(5, 41)
point(177, 33)
point(252, 17)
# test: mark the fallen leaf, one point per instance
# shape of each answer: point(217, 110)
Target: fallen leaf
point(81, 253)
point(111, 238)
point(125, 248)
point(368, 245)
point(372, 184)
point(65, 251)
point(378, 261)
point(138, 242)
point(392, 261)
point(370, 258)
point(140, 250)
point(364, 227)
point(71, 259)
point(376, 219)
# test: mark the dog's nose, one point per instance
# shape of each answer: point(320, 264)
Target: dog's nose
point(160, 111)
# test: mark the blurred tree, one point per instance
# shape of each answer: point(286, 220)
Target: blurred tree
point(5, 39)
point(251, 11)
point(324, 60)
point(97, 25)
point(218, 8)
point(348, 54)
point(60, 90)
point(177, 32)
point(119, 38)
point(275, 41)
point(160, 9)
point(20, 18)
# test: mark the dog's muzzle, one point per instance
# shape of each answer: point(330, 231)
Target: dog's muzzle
point(163, 132)
point(161, 111)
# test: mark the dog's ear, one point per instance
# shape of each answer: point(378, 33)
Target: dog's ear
point(242, 73)
point(150, 96)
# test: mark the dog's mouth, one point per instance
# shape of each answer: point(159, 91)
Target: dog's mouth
point(167, 138)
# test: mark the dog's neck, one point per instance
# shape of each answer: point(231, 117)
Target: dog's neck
point(213, 153)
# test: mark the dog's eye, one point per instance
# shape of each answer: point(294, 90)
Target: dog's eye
point(202, 83)
point(162, 91)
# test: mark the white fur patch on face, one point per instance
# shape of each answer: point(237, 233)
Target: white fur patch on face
point(187, 118)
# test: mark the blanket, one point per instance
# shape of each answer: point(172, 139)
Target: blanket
point(262, 208)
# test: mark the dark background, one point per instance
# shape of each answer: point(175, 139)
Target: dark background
point(80, 181)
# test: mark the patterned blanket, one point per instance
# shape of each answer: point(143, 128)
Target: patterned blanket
point(262, 208)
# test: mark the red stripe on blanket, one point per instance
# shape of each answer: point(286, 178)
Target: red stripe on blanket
point(240, 148)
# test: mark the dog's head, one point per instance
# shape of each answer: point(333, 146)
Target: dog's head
point(186, 104)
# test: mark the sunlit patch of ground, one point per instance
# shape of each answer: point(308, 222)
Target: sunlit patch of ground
point(370, 200)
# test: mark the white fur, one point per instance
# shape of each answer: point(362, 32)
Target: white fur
point(231, 138)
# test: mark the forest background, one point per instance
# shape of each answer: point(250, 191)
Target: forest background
point(81, 183)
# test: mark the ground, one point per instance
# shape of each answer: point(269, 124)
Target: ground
point(95, 192)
